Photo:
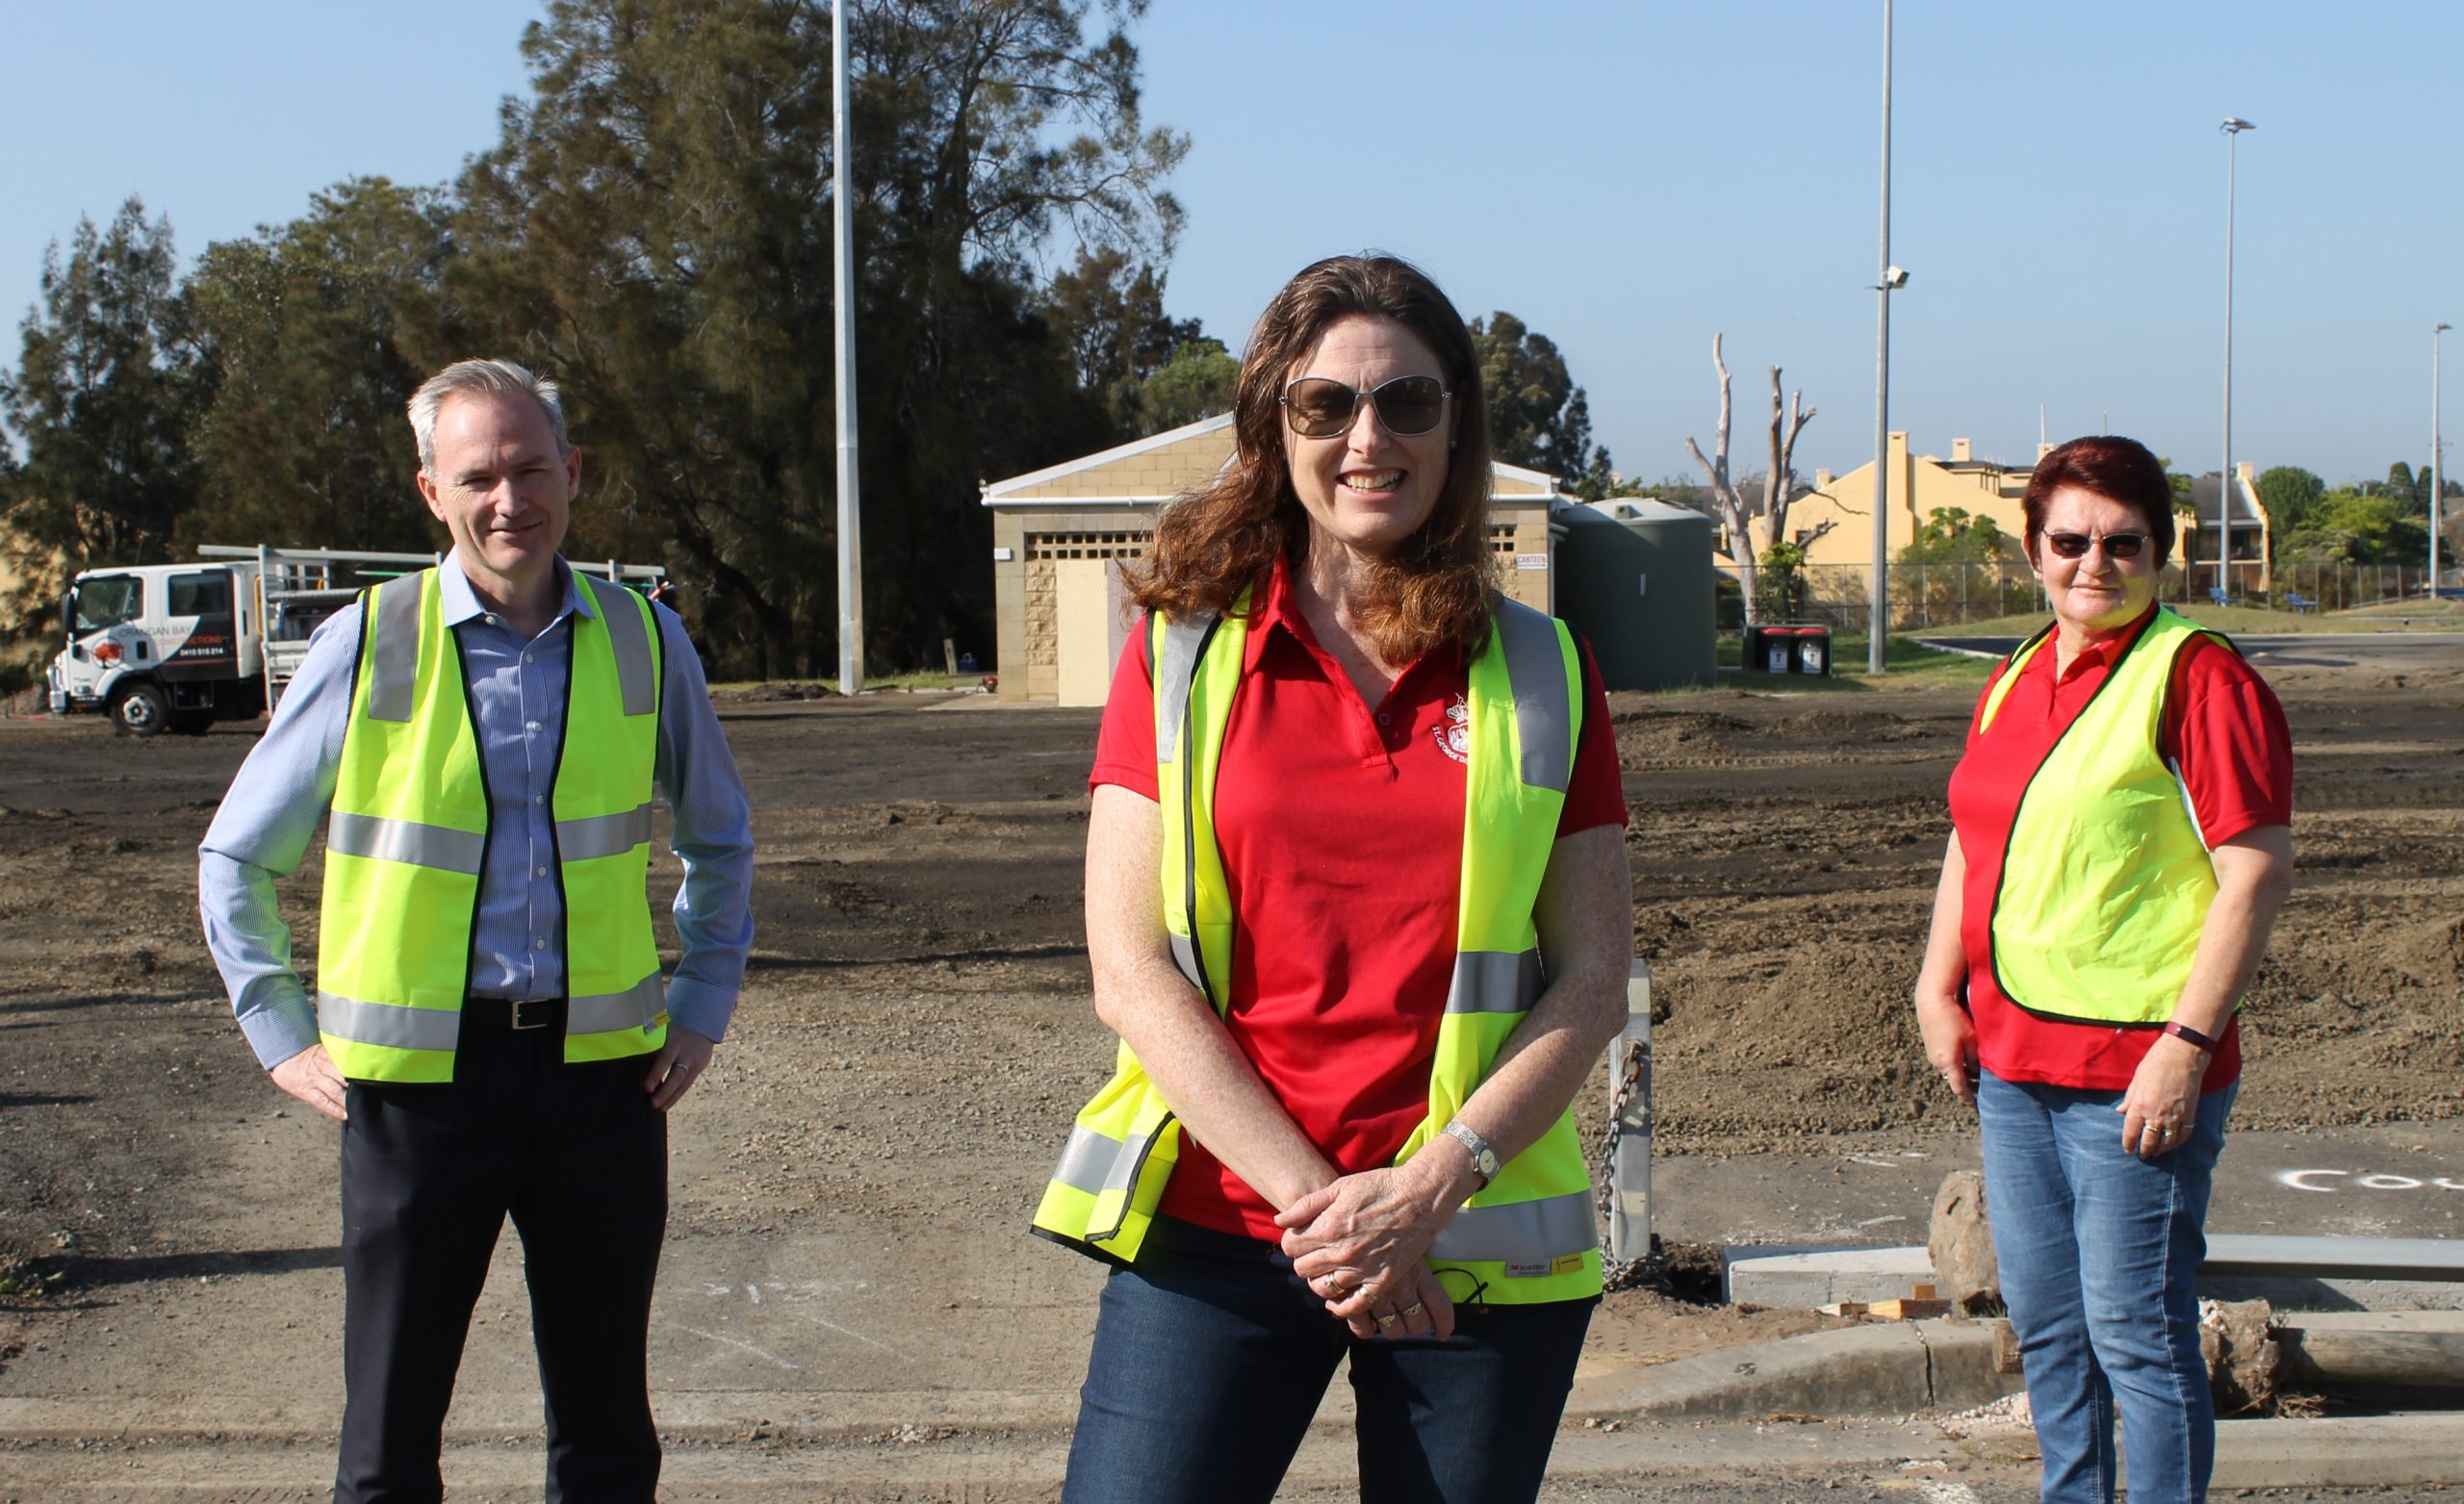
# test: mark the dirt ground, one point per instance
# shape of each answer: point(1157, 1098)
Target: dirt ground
point(916, 1035)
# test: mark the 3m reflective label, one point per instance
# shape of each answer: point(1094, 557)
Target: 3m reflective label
point(602, 835)
point(388, 1024)
point(620, 611)
point(1543, 721)
point(394, 675)
point(407, 841)
point(1533, 1232)
point(637, 1006)
point(1495, 981)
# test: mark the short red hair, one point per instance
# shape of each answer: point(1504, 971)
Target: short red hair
point(2119, 469)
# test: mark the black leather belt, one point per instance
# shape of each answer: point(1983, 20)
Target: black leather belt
point(507, 1013)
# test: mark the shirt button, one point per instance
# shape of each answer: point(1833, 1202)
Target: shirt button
point(490, 618)
point(1383, 719)
point(531, 726)
point(538, 872)
point(538, 945)
point(538, 799)
point(529, 657)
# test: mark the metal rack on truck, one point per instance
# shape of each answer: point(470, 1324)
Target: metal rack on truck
point(178, 647)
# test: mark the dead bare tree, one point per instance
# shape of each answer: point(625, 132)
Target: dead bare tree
point(1727, 503)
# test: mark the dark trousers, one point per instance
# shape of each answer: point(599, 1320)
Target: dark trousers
point(429, 1172)
point(1211, 1357)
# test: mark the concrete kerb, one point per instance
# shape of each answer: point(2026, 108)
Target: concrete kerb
point(1896, 1368)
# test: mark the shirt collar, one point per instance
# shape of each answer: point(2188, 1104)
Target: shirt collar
point(462, 603)
point(2102, 653)
point(1274, 607)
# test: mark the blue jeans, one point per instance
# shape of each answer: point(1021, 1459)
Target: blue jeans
point(2099, 1251)
point(1211, 1357)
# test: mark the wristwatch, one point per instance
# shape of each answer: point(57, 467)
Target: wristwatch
point(1485, 1160)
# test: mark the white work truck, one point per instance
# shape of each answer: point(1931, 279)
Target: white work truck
point(178, 647)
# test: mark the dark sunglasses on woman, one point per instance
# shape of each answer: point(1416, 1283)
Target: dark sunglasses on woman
point(2075, 545)
point(1319, 407)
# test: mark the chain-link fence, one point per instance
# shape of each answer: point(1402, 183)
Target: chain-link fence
point(1925, 596)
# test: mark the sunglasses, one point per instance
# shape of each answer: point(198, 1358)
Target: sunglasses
point(2075, 545)
point(1319, 407)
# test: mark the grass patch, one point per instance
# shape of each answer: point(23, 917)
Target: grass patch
point(1907, 665)
point(2390, 616)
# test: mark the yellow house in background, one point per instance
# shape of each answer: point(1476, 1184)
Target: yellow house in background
point(1835, 522)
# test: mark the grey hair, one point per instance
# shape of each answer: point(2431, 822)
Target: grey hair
point(473, 377)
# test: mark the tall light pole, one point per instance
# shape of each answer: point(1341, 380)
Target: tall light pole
point(2437, 477)
point(2234, 125)
point(851, 553)
point(1878, 618)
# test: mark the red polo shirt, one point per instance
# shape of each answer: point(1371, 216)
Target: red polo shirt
point(1342, 834)
point(2225, 734)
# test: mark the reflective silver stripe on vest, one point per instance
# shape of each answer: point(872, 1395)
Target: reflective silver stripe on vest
point(407, 841)
point(1094, 1163)
point(393, 678)
point(602, 835)
point(1543, 720)
point(635, 1008)
point(1175, 676)
point(620, 612)
point(389, 1024)
point(1495, 981)
point(1185, 959)
point(1521, 1232)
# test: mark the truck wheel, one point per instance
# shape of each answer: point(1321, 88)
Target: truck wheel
point(138, 710)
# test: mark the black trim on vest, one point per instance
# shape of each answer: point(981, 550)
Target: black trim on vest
point(555, 781)
point(1188, 830)
point(487, 801)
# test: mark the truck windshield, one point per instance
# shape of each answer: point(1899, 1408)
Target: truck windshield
point(110, 601)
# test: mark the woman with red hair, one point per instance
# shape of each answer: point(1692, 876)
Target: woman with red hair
point(2121, 842)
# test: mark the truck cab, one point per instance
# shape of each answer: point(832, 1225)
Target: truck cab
point(161, 647)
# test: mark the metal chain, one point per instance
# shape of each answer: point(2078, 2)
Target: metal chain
point(1649, 1271)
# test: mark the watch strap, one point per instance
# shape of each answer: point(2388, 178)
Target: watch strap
point(1484, 1158)
point(2192, 1038)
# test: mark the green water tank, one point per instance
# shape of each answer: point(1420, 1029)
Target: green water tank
point(1634, 577)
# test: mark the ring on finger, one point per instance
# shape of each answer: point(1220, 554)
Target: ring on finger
point(1389, 1318)
point(1410, 1311)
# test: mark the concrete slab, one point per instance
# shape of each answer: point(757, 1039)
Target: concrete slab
point(2389, 1179)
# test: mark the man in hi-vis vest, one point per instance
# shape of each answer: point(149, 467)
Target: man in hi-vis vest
point(482, 741)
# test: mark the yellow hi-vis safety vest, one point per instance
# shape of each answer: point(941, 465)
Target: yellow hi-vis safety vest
point(2105, 882)
point(1528, 1236)
point(408, 838)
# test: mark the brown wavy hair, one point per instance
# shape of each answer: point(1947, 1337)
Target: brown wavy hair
point(1434, 586)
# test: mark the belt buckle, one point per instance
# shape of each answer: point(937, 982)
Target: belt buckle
point(532, 1014)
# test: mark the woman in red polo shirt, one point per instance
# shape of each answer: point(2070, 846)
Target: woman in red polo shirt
point(1378, 748)
point(2122, 843)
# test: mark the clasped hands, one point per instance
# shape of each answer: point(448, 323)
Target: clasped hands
point(1360, 1242)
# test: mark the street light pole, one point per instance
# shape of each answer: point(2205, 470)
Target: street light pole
point(2233, 126)
point(851, 552)
point(2437, 477)
point(1878, 615)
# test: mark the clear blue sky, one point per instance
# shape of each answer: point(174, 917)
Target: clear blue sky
point(1628, 178)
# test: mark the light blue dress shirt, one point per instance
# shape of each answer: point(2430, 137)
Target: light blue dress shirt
point(516, 688)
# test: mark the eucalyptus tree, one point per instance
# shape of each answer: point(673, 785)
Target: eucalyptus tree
point(653, 229)
point(108, 374)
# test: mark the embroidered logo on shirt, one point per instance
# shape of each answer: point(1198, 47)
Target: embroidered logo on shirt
point(1455, 733)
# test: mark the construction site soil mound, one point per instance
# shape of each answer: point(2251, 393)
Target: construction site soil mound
point(916, 1031)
